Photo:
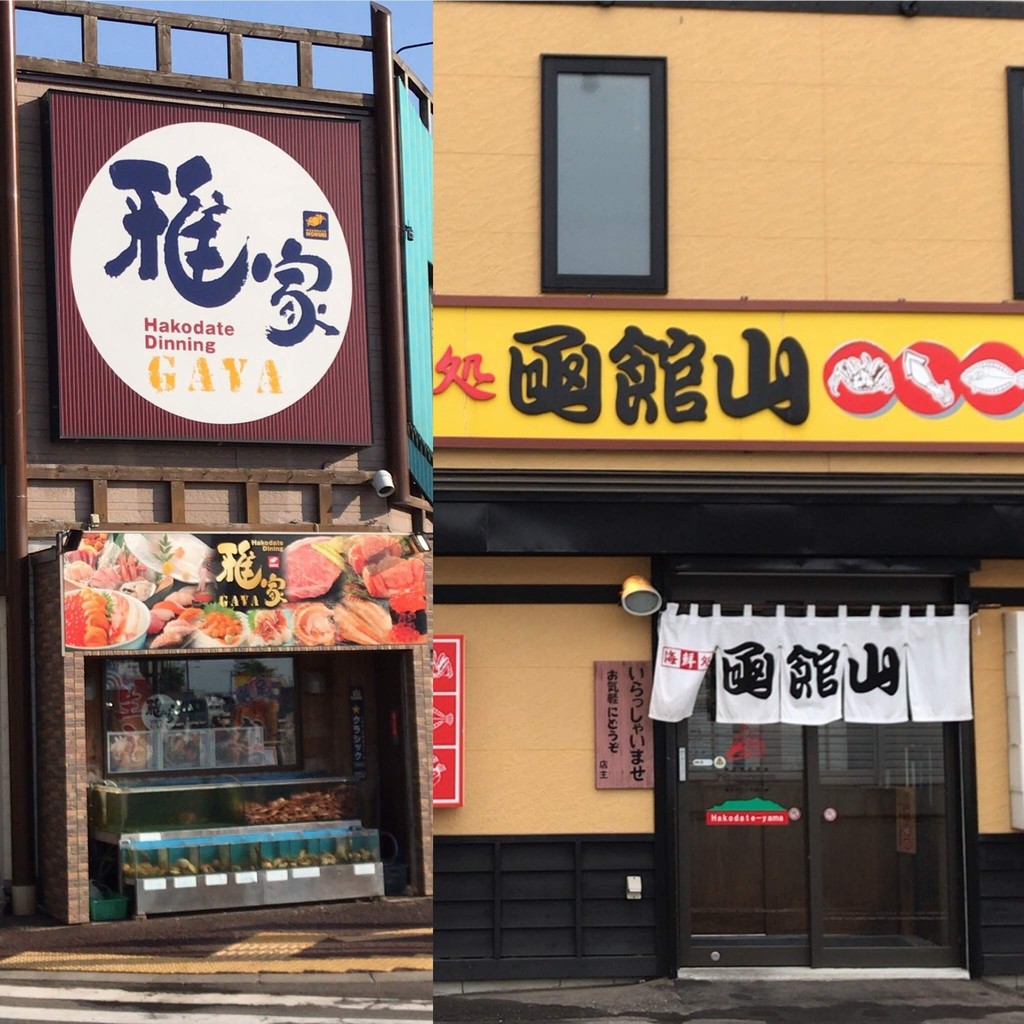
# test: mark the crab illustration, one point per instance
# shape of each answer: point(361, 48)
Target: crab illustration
point(865, 375)
point(441, 665)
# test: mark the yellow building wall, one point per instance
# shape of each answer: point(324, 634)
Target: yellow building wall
point(811, 156)
point(990, 735)
point(991, 738)
point(530, 701)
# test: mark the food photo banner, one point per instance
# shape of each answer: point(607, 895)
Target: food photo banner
point(208, 273)
point(810, 670)
point(801, 379)
point(222, 592)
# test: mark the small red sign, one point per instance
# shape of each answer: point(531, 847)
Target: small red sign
point(449, 674)
point(677, 657)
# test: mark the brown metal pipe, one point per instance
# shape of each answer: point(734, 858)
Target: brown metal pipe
point(15, 448)
point(389, 204)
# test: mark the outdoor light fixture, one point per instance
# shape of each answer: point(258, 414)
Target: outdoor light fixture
point(639, 597)
point(421, 542)
point(383, 483)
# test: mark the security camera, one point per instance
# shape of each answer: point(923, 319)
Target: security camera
point(383, 483)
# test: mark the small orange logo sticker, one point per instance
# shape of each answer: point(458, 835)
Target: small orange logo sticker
point(315, 224)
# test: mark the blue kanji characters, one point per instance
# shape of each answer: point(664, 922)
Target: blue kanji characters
point(292, 273)
point(193, 272)
point(145, 222)
point(192, 284)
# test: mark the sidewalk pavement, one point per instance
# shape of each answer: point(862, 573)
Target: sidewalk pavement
point(364, 937)
point(918, 1001)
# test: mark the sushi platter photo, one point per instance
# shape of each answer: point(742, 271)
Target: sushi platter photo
point(226, 592)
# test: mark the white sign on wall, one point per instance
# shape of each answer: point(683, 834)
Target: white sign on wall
point(211, 273)
point(810, 670)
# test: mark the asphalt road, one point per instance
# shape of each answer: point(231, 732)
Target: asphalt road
point(928, 1001)
point(71, 1000)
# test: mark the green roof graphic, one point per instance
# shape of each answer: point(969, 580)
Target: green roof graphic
point(754, 804)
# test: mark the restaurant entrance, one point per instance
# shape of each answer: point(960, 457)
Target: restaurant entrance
point(829, 846)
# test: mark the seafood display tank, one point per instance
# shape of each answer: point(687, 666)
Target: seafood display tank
point(235, 843)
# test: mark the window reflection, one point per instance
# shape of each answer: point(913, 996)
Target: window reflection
point(185, 715)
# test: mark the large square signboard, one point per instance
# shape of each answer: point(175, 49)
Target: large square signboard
point(208, 274)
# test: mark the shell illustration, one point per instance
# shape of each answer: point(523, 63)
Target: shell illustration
point(991, 377)
point(440, 718)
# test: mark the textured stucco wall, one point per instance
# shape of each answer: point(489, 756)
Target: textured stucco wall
point(810, 156)
point(530, 701)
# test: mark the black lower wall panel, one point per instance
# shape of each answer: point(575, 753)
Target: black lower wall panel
point(1001, 904)
point(543, 907)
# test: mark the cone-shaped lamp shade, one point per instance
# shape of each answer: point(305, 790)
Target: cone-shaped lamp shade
point(639, 597)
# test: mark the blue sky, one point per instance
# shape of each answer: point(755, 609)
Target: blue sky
point(45, 35)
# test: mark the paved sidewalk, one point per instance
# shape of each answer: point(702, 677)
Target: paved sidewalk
point(925, 1001)
point(366, 937)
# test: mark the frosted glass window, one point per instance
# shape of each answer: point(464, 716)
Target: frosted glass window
point(604, 174)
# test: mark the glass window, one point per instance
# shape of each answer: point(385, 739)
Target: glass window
point(211, 713)
point(1015, 82)
point(604, 174)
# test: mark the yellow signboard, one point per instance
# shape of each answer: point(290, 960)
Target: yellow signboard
point(799, 379)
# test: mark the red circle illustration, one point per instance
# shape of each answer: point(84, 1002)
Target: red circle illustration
point(927, 377)
point(992, 378)
point(858, 378)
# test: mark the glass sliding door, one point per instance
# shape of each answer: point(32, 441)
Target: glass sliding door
point(831, 846)
point(884, 804)
point(747, 840)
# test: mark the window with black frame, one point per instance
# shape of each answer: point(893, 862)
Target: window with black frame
point(210, 714)
point(604, 174)
point(1015, 83)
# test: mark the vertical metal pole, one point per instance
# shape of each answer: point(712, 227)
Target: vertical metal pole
point(389, 204)
point(15, 446)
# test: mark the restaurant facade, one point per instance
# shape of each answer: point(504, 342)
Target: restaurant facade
point(730, 525)
point(217, 678)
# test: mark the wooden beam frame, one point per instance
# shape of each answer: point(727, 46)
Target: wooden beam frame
point(149, 474)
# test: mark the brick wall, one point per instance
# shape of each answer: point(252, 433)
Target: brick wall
point(63, 823)
point(423, 703)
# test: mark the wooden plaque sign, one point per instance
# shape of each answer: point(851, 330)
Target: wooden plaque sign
point(623, 734)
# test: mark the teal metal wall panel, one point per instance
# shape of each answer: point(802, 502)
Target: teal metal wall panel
point(417, 154)
point(422, 468)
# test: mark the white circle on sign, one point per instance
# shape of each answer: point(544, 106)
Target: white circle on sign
point(830, 814)
point(794, 814)
point(166, 265)
point(720, 762)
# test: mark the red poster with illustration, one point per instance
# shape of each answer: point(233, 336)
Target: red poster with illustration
point(449, 672)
